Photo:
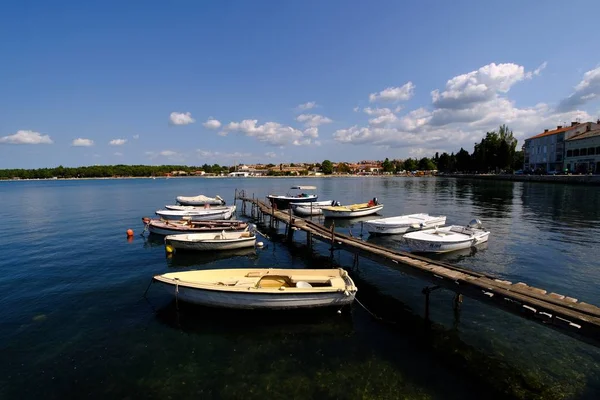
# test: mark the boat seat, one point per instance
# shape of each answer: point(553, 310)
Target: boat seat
point(310, 279)
point(337, 282)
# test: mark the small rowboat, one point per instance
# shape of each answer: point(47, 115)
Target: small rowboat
point(261, 288)
point(198, 215)
point(403, 224)
point(211, 241)
point(446, 239)
point(352, 210)
point(166, 227)
point(311, 208)
point(195, 208)
point(200, 200)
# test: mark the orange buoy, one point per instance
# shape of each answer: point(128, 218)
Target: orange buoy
point(129, 232)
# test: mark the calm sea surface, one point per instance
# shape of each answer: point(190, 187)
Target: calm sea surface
point(74, 322)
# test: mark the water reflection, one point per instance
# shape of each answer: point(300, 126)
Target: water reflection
point(190, 258)
point(349, 222)
point(193, 318)
point(493, 201)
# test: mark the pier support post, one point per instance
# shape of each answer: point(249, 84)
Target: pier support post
point(426, 291)
point(235, 196)
point(290, 228)
point(309, 239)
point(332, 236)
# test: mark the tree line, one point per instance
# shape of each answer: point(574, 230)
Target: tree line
point(106, 171)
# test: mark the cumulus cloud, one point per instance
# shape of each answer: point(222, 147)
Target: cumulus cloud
point(167, 153)
point(217, 154)
point(26, 137)
point(306, 106)
point(393, 94)
point(356, 109)
point(585, 91)
point(271, 154)
point(460, 114)
point(178, 118)
point(313, 120)
point(136, 137)
point(272, 133)
point(117, 142)
point(80, 142)
point(118, 154)
point(212, 123)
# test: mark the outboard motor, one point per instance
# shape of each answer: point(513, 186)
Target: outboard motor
point(475, 224)
point(375, 202)
point(333, 202)
point(252, 228)
point(337, 203)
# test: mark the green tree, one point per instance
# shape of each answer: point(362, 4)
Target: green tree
point(426, 164)
point(463, 161)
point(327, 167)
point(388, 166)
point(343, 168)
point(410, 164)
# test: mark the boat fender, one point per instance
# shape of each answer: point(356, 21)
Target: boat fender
point(260, 244)
point(169, 249)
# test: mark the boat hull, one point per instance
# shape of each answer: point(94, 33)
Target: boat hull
point(200, 201)
point(352, 213)
point(380, 227)
point(309, 209)
point(283, 202)
point(200, 215)
point(167, 229)
point(272, 301)
point(424, 246)
point(210, 244)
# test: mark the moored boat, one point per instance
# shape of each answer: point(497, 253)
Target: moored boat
point(173, 227)
point(446, 239)
point(403, 224)
point(200, 200)
point(311, 208)
point(352, 210)
point(198, 215)
point(261, 288)
point(211, 241)
point(283, 201)
point(194, 208)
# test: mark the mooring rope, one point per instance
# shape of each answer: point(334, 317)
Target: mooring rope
point(377, 317)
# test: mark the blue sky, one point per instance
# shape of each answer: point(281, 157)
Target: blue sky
point(189, 82)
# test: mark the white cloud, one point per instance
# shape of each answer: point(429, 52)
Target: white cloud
point(313, 120)
point(272, 133)
point(393, 94)
point(307, 106)
point(117, 142)
point(376, 111)
point(136, 137)
point(585, 91)
point(235, 156)
point(177, 118)
point(398, 109)
point(271, 154)
point(168, 153)
point(118, 154)
point(539, 69)
point(478, 86)
point(356, 109)
point(212, 123)
point(26, 137)
point(470, 105)
point(80, 142)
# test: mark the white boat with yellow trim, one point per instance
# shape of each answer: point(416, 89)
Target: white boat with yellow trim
point(199, 214)
point(446, 239)
point(264, 288)
point(311, 208)
point(353, 210)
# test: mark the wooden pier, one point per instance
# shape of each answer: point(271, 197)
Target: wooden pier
point(556, 311)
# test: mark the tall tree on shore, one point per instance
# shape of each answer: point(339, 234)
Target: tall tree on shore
point(327, 167)
point(387, 166)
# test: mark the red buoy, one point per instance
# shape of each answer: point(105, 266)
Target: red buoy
point(129, 232)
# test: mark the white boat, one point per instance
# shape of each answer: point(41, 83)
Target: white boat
point(200, 200)
point(449, 238)
point(173, 227)
point(403, 224)
point(352, 210)
point(283, 201)
point(261, 288)
point(208, 241)
point(197, 215)
point(312, 208)
point(195, 208)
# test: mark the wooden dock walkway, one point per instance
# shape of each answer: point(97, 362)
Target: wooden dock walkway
point(556, 311)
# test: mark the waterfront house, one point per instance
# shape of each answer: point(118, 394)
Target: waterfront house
point(583, 152)
point(546, 151)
